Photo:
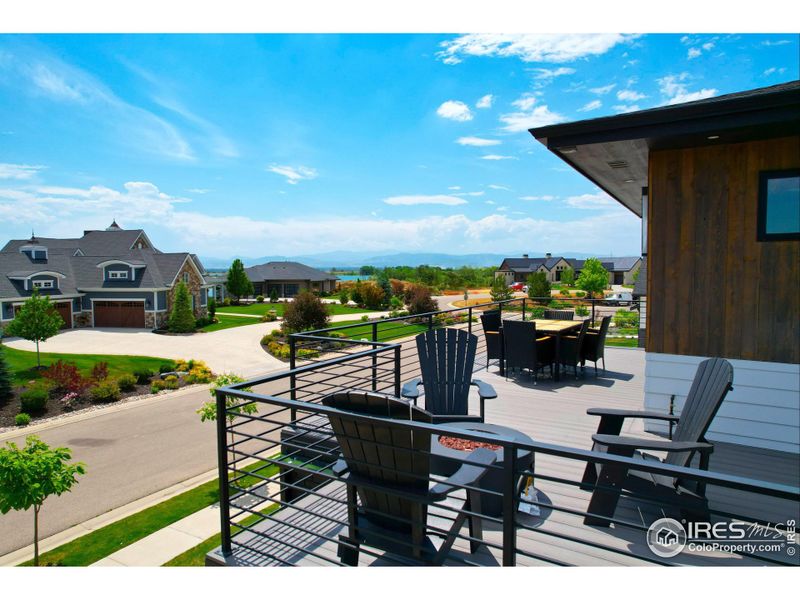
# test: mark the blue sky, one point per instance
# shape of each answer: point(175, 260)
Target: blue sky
point(295, 144)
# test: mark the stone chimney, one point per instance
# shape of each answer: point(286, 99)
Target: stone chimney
point(524, 256)
point(548, 255)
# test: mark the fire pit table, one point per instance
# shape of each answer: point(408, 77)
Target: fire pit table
point(447, 457)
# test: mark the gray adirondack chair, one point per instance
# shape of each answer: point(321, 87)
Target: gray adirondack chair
point(712, 381)
point(387, 468)
point(446, 359)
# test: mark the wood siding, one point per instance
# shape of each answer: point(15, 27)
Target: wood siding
point(713, 290)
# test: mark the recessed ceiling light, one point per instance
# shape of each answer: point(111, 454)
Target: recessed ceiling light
point(713, 137)
point(568, 150)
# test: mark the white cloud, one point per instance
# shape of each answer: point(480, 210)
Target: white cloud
point(498, 157)
point(693, 53)
point(629, 95)
point(549, 48)
point(476, 141)
point(593, 105)
point(675, 91)
point(603, 90)
point(493, 186)
point(12, 171)
point(49, 77)
point(478, 193)
point(490, 202)
point(422, 199)
point(626, 108)
point(776, 42)
point(599, 200)
point(708, 46)
point(548, 74)
point(546, 198)
point(529, 115)
point(454, 110)
point(454, 187)
point(773, 70)
point(198, 190)
point(485, 101)
point(293, 174)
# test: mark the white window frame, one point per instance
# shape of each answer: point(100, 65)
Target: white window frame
point(185, 277)
point(118, 275)
point(43, 284)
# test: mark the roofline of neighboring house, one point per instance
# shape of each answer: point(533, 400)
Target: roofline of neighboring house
point(194, 265)
point(23, 298)
point(56, 274)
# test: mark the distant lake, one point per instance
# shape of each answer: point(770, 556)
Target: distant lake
point(353, 277)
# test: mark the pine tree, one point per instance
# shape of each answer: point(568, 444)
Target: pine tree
point(36, 321)
point(238, 283)
point(181, 319)
point(5, 378)
point(499, 290)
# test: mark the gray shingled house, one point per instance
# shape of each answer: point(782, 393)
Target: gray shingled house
point(620, 269)
point(110, 278)
point(289, 278)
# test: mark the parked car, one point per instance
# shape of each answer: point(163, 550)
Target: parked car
point(518, 287)
point(618, 299)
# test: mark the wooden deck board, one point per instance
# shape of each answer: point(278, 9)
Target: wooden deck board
point(550, 412)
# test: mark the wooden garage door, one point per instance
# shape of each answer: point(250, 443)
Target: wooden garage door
point(118, 314)
point(64, 309)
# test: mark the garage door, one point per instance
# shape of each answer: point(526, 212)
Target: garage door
point(118, 314)
point(64, 309)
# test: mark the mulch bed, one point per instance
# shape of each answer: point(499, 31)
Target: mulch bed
point(11, 408)
point(455, 443)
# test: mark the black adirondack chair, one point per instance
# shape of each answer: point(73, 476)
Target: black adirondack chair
point(446, 359)
point(571, 347)
point(524, 351)
point(387, 467)
point(594, 344)
point(713, 380)
point(490, 320)
point(559, 315)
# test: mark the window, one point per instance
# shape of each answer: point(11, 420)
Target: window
point(117, 274)
point(779, 205)
point(186, 278)
point(45, 284)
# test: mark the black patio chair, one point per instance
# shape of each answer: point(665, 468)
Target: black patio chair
point(594, 344)
point(571, 347)
point(446, 359)
point(387, 467)
point(523, 350)
point(490, 320)
point(559, 315)
point(712, 381)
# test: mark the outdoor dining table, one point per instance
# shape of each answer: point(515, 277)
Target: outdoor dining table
point(557, 329)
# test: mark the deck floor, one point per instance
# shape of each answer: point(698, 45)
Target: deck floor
point(551, 412)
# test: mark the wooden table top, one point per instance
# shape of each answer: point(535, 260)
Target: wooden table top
point(555, 326)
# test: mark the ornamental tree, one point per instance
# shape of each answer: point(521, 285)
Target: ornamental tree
point(181, 319)
point(238, 283)
point(538, 286)
point(208, 412)
point(306, 312)
point(568, 276)
point(36, 321)
point(29, 475)
point(593, 278)
point(499, 290)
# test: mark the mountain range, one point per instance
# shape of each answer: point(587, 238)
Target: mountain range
point(346, 260)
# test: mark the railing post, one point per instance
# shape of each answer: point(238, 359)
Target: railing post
point(397, 374)
point(430, 322)
point(374, 357)
point(292, 376)
point(509, 505)
point(469, 319)
point(594, 301)
point(222, 461)
point(523, 308)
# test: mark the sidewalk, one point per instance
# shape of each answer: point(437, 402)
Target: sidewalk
point(165, 544)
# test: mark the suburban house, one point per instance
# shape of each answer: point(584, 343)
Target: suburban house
point(289, 278)
point(110, 278)
point(621, 270)
point(717, 185)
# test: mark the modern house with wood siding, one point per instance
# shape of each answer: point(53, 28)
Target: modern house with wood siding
point(109, 278)
point(717, 185)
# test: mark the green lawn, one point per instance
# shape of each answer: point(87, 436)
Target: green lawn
point(98, 544)
point(23, 363)
point(622, 342)
point(386, 331)
point(261, 309)
point(228, 321)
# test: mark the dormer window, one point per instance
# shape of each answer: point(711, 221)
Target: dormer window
point(43, 284)
point(117, 274)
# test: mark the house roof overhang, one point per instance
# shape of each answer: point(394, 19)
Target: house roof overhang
point(613, 152)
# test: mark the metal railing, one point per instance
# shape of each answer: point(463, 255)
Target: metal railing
point(282, 501)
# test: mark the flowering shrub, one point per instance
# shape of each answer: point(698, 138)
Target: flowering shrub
point(199, 373)
point(68, 400)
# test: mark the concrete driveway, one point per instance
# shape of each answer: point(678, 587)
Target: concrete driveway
point(236, 349)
